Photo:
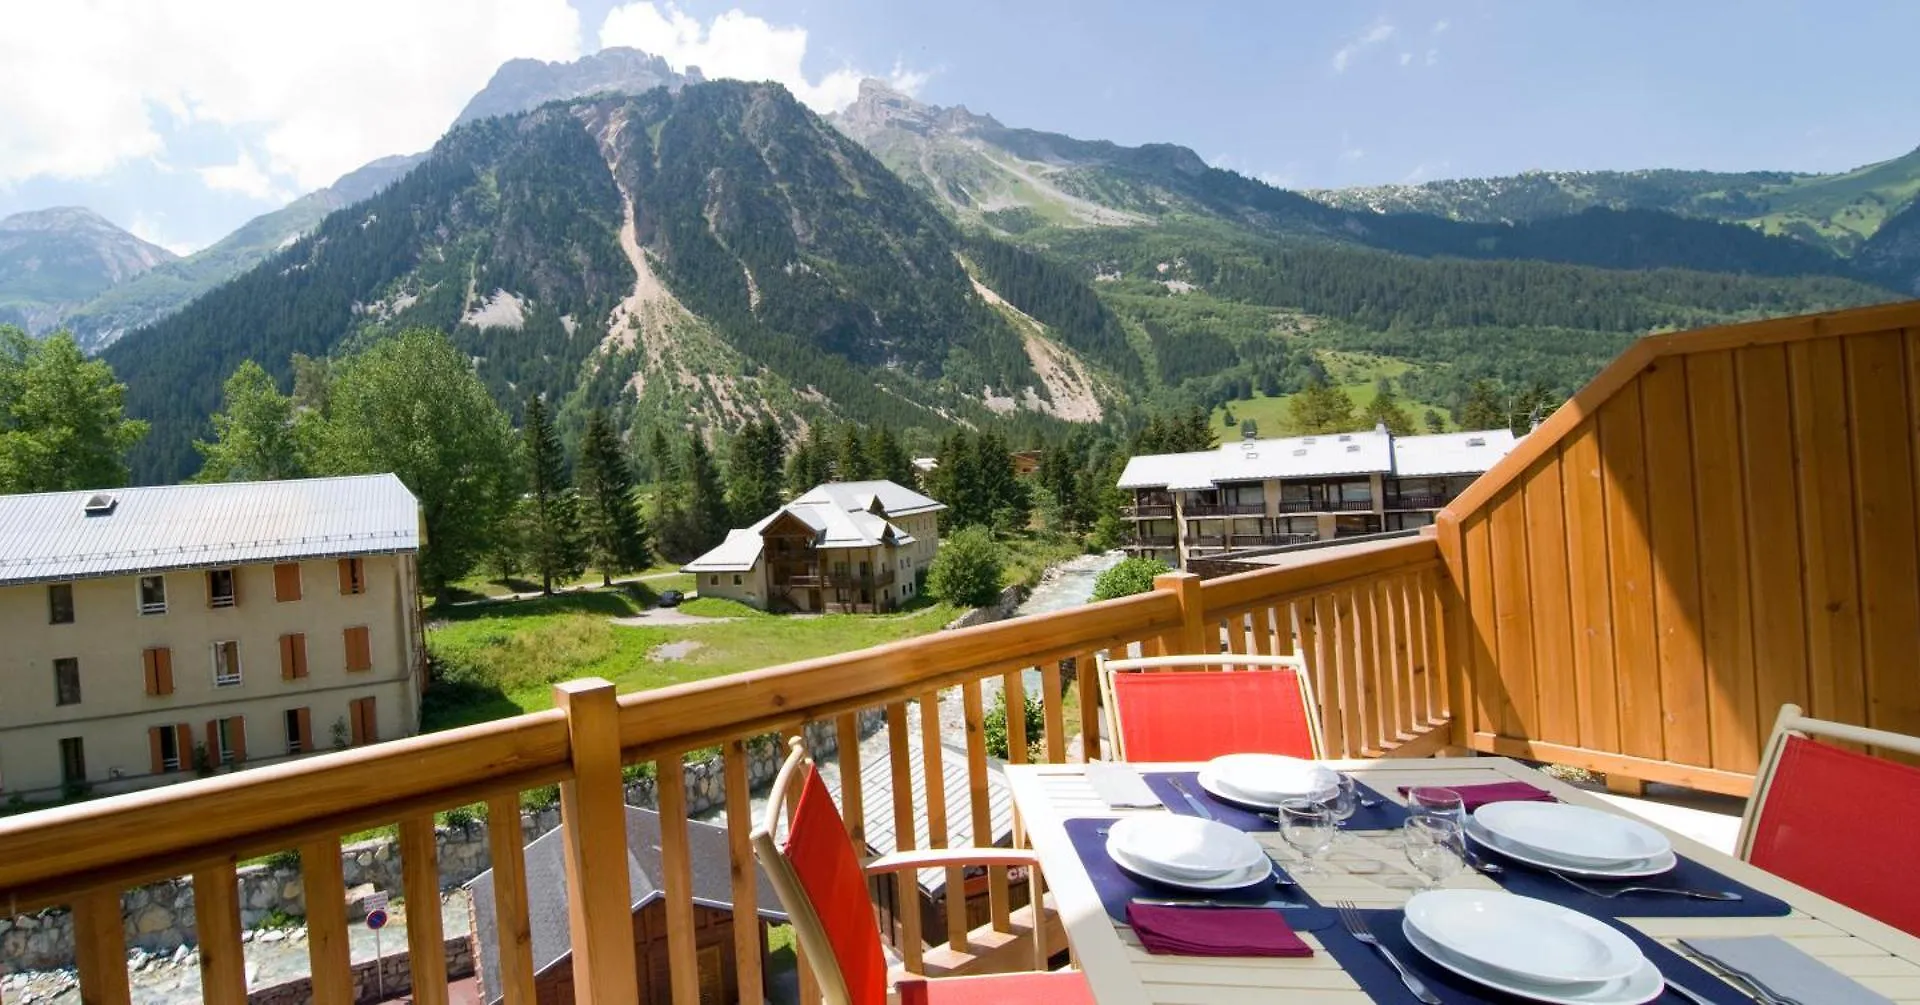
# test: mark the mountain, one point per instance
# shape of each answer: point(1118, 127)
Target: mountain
point(1836, 212)
point(1894, 251)
point(521, 85)
point(697, 256)
point(53, 260)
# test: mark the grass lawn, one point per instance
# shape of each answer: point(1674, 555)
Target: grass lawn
point(1353, 372)
point(1030, 552)
point(502, 658)
point(481, 584)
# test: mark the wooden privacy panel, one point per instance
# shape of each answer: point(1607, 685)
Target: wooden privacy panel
point(1724, 521)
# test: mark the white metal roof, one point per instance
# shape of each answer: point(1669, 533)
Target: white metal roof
point(842, 515)
point(896, 499)
point(1329, 455)
point(49, 536)
point(737, 553)
point(1467, 453)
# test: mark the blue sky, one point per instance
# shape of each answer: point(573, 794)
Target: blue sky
point(183, 121)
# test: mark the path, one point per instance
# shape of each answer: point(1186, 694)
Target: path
point(660, 617)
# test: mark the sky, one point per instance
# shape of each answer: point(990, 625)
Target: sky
point(182, 119)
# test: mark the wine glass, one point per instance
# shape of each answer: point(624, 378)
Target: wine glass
point(1307, 825)
point(1433, 846)
point(1342, 801)
point(1437, 801)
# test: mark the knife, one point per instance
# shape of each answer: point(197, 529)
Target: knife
point(1202, 902)
point(1192, 800)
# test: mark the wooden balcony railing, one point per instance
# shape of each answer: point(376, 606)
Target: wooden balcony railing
point(1151, 511)
point(1368, 626)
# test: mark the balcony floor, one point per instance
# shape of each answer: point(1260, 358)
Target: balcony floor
point(1713, 820)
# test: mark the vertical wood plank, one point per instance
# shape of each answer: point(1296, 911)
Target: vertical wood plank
point(742, 874)
point(1416, 649)
point(1630, 562)
point(1393, 667)
point(216, 922)
point(1433, 613)
point(1341, 661)
point(100, 948)
point(1326, 691)
point(505, 841)
point(852, 809)
point(420, 878)
point(1485, 692)
point(1512, 623)
point(1686, 737)
point(1052, 703)
point(1366, 640)
point(1087, 678)
point(1776, 590)
point(998, 896)
point(593, 810)
point(906, 883)
point(676, 878)
point(1014, 684)
point(1726, 613)
point(933, 757)
point(1263, 634)
point(1555, 696)
point(325, 889)
point(1825, 469)
point(1885, 520)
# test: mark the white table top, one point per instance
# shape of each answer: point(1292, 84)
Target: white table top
point(1045, 796)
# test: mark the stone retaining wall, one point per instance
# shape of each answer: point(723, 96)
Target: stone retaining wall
point(999, 610)
point(159, 917)
point(395, 978)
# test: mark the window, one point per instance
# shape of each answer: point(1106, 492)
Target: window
point(286, 581)
point(66, 681)
point(153, 594)
point(713, 580)
point(365, 727)
point(73, 761)
point(157, 665)
point(299, 730)
point(226, 664)
point(359, 649)
point(227, 739)
point(293, 656)
point(353, 578)
point(220, 588)
point(736, 579)
point(60, 604)
point(169, 745)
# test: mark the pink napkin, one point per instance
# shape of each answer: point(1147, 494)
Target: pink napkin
point(1214, 931)
point(1476, 796)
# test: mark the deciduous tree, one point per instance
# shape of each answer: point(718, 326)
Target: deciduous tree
point(1321, 408)
point(62, 424)
point(254, 438)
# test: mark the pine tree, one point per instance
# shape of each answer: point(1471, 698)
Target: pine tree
point(850, 462)
point(1385, 410)
point(706, 501)
point(1320, 408)
point(886, 458)
point(754, 471)
point(1484, 408)
point(812, 461)
point(616, 537)
point(1434, 421)
point(555, 546)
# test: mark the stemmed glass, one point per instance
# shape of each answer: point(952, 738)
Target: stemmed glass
point(1434, 846)
point(1307, 825)
point(1342, 801)
point(1437, 801)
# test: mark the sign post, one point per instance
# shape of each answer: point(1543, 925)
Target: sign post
point(376, 920)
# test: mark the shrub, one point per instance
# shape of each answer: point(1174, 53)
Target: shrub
point(1131, 576)
point(967, 569)
point(995, 724)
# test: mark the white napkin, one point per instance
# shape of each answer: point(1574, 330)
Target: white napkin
point(1785, 970)
point(1119, 786)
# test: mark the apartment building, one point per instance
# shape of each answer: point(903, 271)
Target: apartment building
point(1255, 493)
point(155, 634)
point(843, 546)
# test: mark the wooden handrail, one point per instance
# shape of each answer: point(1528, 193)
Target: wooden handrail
point(1316, 574)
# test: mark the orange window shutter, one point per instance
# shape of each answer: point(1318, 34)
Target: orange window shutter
point(372, 729)
point(213, 741)
point(147, 671)
point(359, 649)
point(300, 655)
point(303, 721)
point(183, 743)
point(153, 745)
point(286, 581)
point(353, 715)
point(163, 668)
point(237, 735)
point(286, 657)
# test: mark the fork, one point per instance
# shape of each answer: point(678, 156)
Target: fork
point(1356, 926)
point(1617, 891)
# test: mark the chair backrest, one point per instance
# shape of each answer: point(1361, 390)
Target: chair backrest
point(1169, 708)
point(821, 883)
point(1819, 811)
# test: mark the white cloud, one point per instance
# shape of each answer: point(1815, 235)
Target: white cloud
point(1433, 56)
point(1348, 151)
point(1424, 171)
point(1406, 58)
point(245, 176)
point(738, 45)
point(1377, 33)
point(1440, 26)
point(311, 91)
point(149, 228)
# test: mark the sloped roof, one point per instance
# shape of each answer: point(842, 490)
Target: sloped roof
point(876, 800)
point(738, 553)
point(842, 515)
point(50, 536)
point(1468, 453)
point(547, 888)
point(896, 499)
point(1373, 451)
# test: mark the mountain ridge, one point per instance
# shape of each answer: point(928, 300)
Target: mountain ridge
point(53, 259)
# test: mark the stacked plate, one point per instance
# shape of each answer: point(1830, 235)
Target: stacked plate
point(1572, 839)
point(1530, 948)
point(1266, 780)
point(1187, 852)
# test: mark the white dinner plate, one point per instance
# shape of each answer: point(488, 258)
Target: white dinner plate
point(1532, 940)
point(1233, 881)
point(1183, 847)
point(1642, 986)
point(1265, 779)
point(1575, 834)
point(1626, 870)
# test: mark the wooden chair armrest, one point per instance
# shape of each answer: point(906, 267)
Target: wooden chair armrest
point(936, 857)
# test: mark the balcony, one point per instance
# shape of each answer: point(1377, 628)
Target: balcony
point(814, 579)
point(1150, 511)
point(1225, 509)
point(1268, 540)
point(1152, 541)
point(1634, 507)
point(1415, 500)
point(1350, 505)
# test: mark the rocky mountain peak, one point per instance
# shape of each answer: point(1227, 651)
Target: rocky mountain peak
point(521, 85)
point(880, 107)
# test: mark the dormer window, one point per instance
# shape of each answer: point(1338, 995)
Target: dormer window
point(1476, 441)
point(100, 504)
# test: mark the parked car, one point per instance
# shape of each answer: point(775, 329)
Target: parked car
point(672, 598)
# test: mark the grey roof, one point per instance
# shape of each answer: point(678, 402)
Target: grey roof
point(1328, 455)
point(842, 515)
point(740, 552)
point(49, 536)
point(876, 800)
point(894, 498)
point(547, 889)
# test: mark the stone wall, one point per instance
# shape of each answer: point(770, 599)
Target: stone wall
point(159, 917)
point(999, 610)
point(395, 978)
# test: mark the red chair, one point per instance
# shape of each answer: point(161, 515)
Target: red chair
point(1819, 811)
point(1159, 711)
point(824, 887)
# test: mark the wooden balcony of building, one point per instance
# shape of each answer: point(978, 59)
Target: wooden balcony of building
point(1149, 511)
point(1722, 521)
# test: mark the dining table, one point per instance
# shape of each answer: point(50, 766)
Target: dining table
point(1058, 810)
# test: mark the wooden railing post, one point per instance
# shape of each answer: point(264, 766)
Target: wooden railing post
point(1191, 636)
point(593, 810)
point(329, 958)
point(216, 918)
point(100, 948)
